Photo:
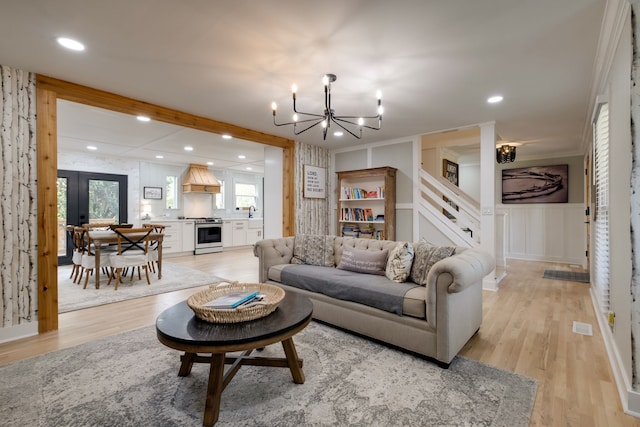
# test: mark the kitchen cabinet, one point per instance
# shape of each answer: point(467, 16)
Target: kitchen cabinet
point(240, 232)
point(188, 236)
point(172, 241)
point(253, 235)
point(227, 233)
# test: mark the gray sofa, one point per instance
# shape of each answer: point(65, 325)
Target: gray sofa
point(434, 318)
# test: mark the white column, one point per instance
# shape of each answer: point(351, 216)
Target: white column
point(488, 196)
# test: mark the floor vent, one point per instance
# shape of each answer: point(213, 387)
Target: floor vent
point(582, 328)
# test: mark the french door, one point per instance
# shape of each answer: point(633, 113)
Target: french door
point(85, 197)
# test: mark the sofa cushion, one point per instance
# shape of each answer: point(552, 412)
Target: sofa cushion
point(399, 262)
point(361, 261)
point(424, 256)
point(313, 250)
point(374, 291)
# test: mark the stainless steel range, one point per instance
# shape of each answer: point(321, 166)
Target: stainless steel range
point(208, 235)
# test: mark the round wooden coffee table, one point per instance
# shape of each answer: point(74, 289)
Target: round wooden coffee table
point(177, 327)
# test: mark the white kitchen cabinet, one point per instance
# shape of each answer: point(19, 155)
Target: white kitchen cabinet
point(240, 232)
point(188, 236)
point(227, 233)
point(253, 235)
point(172, 241)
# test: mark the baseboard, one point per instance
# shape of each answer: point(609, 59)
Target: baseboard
point(489, 283)
point(12, 333)
point(629, 398)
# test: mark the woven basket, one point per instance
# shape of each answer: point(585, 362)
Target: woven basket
point(273, 296)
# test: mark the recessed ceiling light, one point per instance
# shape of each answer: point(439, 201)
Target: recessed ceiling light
point(70, 44)
point(91, 147)
point(188, 148)
point(494, 99)
point(143, 118)
point(225, 136)
point(242, 156)
point(248, 168)
point(338, 133)
point(159, 156)
point(210, 163)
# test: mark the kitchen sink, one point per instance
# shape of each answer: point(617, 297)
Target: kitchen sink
point(255, 222)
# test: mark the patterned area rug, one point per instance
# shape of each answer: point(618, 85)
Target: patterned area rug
point(573, 276)
point(174, 277)
point(131, 380)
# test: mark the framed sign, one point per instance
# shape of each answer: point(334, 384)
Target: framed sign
point(314, 182)
point(154, 193)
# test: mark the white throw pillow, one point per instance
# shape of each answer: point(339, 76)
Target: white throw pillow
point(399, 262)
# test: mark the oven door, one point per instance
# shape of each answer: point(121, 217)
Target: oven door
point(208, 238)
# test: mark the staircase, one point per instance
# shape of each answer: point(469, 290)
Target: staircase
point(452, 211)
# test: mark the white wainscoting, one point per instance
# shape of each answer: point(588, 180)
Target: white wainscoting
point(545, 232)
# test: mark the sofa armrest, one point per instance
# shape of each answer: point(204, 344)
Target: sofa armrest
point(272, 252)
point(454, 299)
point(466, 268)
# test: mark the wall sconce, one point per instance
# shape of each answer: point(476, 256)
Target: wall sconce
point(505, 153)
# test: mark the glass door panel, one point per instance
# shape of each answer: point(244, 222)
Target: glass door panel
point(104, 201)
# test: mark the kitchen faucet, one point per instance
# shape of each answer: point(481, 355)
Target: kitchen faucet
point(252, 209)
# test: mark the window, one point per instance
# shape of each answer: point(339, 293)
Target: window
point(246, 195)
point(172, 192)
point(601, 219)
point(218, 200)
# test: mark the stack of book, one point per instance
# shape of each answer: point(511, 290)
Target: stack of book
point(235, 300)
point(350, 231)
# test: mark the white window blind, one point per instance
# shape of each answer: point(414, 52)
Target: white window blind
point(601, 222)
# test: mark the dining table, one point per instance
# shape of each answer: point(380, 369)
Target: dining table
point(99, 239)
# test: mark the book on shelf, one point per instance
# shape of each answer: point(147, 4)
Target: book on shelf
point(368, 213)
point(350, 231)
point(347, 193)
point(233, 300)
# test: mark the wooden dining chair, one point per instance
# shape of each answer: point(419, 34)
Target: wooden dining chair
point(76, 237)
point(153, 245)
point(133, 248)
point(88, 263)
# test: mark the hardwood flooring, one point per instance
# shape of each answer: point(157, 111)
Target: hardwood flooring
point(527, 329)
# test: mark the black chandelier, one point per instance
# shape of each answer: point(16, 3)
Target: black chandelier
point(506, 153)
point(310, 120)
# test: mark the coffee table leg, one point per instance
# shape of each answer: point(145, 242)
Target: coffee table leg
point(214, 390)
point(186, 365)
point(292, 361)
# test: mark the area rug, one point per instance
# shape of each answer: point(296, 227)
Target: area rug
point(573, 276)
point(131, 380)
point(72, 297)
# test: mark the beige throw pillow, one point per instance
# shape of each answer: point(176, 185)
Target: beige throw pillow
point(425, 255)
point(399, 262)
point(313, 250)
point(361, 261)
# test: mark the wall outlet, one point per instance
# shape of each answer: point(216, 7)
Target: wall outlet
point(611, 316)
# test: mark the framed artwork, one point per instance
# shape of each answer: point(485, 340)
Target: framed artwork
point(314, 182)
point(537, 184)
point(450, 171)
point(154, 193)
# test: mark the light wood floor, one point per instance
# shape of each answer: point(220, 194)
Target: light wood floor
point(527, 329)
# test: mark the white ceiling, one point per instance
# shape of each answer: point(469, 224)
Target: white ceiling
point(435, 61)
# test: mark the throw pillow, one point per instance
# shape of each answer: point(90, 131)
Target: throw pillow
point(361, 261)
point(399, 262)
point(313, 250)
point(425, 255)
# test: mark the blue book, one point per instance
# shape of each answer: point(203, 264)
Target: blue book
point(232, 300)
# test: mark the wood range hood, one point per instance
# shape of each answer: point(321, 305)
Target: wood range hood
point(199, 179)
